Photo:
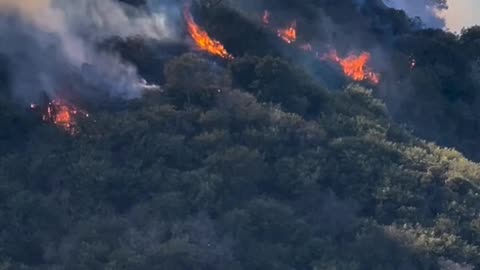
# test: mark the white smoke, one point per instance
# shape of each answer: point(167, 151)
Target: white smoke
point(429, 11)
point(46, 42)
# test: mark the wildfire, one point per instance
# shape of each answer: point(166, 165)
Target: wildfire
point(288, 34)
point(355, 67)
point(62, 115)
point(201, 38)
point(266, 17)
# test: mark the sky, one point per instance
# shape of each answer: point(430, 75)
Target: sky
point(462, 13)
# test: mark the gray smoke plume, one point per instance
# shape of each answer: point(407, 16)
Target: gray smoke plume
point(48, 43)
point(427, 10)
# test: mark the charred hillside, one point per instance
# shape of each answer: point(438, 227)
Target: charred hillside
point(245, 148)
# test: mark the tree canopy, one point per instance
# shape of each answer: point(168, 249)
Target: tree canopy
point(254, 163)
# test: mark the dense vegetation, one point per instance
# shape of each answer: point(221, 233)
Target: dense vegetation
point(438, 99)
point(251, 164)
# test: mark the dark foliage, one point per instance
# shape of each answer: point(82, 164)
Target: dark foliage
point(252, 164)
point(437, 99)
point(218, 179)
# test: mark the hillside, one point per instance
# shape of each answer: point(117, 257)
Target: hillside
point(249, 161)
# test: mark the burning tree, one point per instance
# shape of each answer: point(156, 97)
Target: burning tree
point(201, 38)
point(61, 114)
point(355, 67)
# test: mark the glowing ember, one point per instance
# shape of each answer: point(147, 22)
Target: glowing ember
point(355, 67)
point(413, 63)
point(62, 115)
point(289, 34)
point(203, 40)
point(266, 17)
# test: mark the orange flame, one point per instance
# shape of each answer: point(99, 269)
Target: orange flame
point(288, 34)
point(266, 17)
point(62, 115)
point(355, 67)
point(203, 40)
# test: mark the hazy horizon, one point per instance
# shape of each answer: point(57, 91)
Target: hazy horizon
point(462, 13)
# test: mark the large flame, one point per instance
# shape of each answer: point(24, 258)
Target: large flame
point(202, 39)
point(288, 34)
point(355, 67)
point(62, 114)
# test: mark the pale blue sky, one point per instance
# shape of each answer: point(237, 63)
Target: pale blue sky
point(462, 13)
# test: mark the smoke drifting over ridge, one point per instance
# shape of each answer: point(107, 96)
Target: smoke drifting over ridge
point(49, 44)
point(427, 10)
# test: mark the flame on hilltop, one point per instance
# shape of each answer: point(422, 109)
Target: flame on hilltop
point(63, 115)
point(355, 67)
point(201, 38)
point(288, 34)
